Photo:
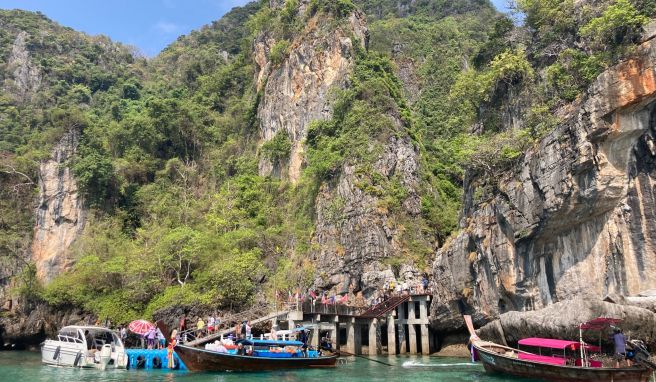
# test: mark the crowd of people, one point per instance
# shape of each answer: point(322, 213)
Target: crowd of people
point(389, 289)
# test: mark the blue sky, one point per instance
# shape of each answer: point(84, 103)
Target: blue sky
point(150, 25)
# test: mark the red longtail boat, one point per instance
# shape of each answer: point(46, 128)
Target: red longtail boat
point(498, 358)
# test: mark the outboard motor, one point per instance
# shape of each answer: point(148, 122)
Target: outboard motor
point(641, 354)
point(105, 356)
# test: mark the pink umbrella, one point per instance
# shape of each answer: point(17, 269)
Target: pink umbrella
point(140, 326)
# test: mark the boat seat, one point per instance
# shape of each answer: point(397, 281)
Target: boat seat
point(593, 363)
point(542, 359)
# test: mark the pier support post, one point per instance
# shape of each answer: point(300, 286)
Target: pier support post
point(353, 337)
point(391, 335)
point(335, 336)
point(358, 338)
point(290, 325)
point(412, 338)
point(314, 340)
point(425, 346)
point(412, 334)
point(373, 337)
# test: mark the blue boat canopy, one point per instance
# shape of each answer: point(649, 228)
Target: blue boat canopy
point(255, 342)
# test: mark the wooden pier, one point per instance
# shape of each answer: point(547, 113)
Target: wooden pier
point(398, 325)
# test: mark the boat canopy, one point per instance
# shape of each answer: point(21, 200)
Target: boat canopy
point(271, 343)
point(600, 323)
point(555, 344)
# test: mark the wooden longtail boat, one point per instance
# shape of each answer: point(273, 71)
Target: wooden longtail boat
point(502, 359)
point(198, 359)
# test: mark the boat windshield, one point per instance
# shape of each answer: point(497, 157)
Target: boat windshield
point(95, 337)
point(69, 335)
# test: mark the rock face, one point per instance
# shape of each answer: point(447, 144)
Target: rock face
point(573, 219)
point(26, 76)
point(19, 330)
point(355, 233)
point(561, 320)
point(60, 215)
point(298, 90)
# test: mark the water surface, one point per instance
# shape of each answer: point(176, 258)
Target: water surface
point(26, 366)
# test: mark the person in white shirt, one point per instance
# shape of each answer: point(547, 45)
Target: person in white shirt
point(210, 324)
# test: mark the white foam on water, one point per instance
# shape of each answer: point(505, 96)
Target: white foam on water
point(419, 364)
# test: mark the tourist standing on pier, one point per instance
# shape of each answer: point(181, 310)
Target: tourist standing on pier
point(243, 330)
point(200, 327)
point(182, 324)
point(150, 336)
point(161, 340)
point(248, 330)
point(123, 332)
point(210, 324)
point(169, 350)
point(619, 340)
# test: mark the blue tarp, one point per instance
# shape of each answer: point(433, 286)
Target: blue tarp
point(272, 343)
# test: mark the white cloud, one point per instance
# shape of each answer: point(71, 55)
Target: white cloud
point(167, 27)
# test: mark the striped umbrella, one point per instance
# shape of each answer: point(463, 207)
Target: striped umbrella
point(140, 326)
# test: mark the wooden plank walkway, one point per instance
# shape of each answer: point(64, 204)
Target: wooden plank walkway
point(227, 331)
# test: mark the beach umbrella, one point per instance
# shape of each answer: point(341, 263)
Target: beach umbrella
point(140, 327)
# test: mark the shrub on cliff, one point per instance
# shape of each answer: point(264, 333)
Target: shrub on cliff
point(618, 24)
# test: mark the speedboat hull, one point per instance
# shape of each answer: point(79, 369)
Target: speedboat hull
point(197, 359)
point(70, 349)
point(53, 353)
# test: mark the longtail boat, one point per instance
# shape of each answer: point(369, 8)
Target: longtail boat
point(498, 358)
point(260, 355)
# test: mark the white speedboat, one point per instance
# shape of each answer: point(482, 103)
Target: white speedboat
point(85, 346)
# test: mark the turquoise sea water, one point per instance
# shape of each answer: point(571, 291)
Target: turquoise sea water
point(26, 366)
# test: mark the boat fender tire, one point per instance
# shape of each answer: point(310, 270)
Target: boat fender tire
point(141, 362)
point(78, 357)
point(57, 351)
point(157, 363)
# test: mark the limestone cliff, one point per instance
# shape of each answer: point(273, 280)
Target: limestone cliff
point(25, 78)
point(355, 233)
point(298, 90)
point(573, 218)
point(60, 215)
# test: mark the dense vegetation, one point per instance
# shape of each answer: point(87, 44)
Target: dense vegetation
point(168, 157)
